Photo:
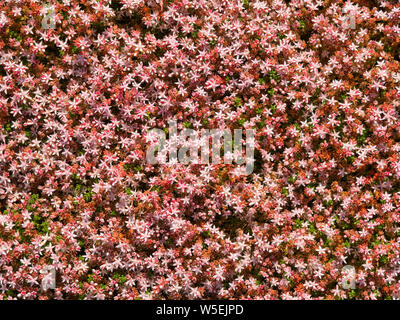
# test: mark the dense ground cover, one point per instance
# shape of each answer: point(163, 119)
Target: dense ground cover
point(319, 81)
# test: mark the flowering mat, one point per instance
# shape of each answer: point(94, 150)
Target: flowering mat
point(85, 215)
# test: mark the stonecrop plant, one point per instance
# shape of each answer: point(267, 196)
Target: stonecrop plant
point(83, 215)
